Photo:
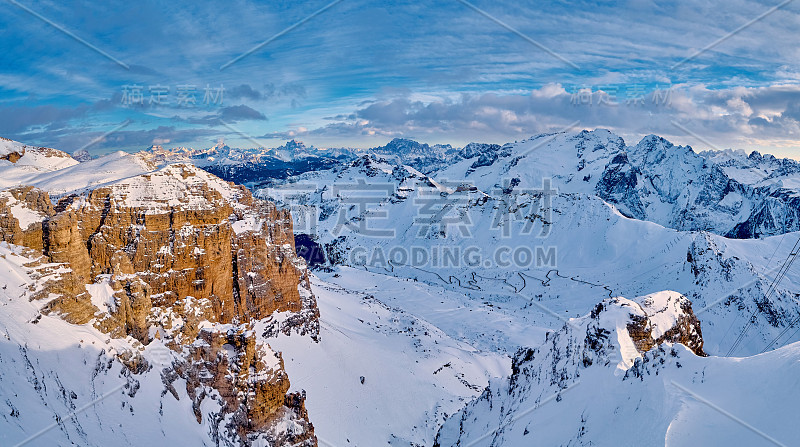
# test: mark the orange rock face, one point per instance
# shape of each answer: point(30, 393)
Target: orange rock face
point(12, 156)
point(233, 252)
point(185, 254)
point(28, 200)
point(250, 383)
point(686, 331)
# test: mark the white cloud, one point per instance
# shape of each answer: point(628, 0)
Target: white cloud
point(736, 117)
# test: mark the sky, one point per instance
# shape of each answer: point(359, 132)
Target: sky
point(106, 76)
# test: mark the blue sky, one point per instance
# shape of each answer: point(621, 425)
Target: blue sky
point(362, 72)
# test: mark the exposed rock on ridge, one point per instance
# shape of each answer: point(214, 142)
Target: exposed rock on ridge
point(620, 335)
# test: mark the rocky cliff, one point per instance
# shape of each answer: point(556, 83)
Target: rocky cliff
point(620, 342)
point(184, 258)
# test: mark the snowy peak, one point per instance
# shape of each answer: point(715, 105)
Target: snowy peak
point(221, 153)
point(69, 175)
point(11, 150)
point(622, 329)
point(654, 142)
point(294, 146)
point(291, 150)
point(648, 321)
point(726, 193)
point(422, 156)
point(249, 166)
point(658, 153)
point(405, 147)
point(473, 150)
point(602, 349)
point(82, 155)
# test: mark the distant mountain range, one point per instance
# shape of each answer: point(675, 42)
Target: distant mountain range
point(257, 167)
point(728, 193)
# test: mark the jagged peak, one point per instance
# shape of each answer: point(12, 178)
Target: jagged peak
point(637, 325)
point(473, 149)
point(404, 146)
point(294, 145)
point(597, 132)
point(653, 142)
point(82, 155)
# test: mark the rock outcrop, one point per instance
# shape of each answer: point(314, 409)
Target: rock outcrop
point(12, 154)
point(620, 343)
point(673, 309)
point(182, 232)
point(22, 212)
point(248, 381)
point(182, 257)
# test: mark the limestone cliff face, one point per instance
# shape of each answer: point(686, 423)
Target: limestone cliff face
point(31, 206)
point(248, 381)
point(183, 232)
point(192, 261)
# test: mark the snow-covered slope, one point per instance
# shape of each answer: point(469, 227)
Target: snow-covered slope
point(652, 180)
point(41, 158)
point(19, 163)
point(506, 247)
point(66, 175)
point(63, 384)
point(381, 375)
point(173, 186)
point(599, 381)
point(7, 147)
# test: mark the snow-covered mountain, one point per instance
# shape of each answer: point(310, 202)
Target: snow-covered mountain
point(569, 289)
point(632, 372)
point(735, 196)
point(509, 243)
point(728, 193)
point(20, 162)
point(254, 166)
point(420, 155)
point(495, 242)
point(258, 167)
